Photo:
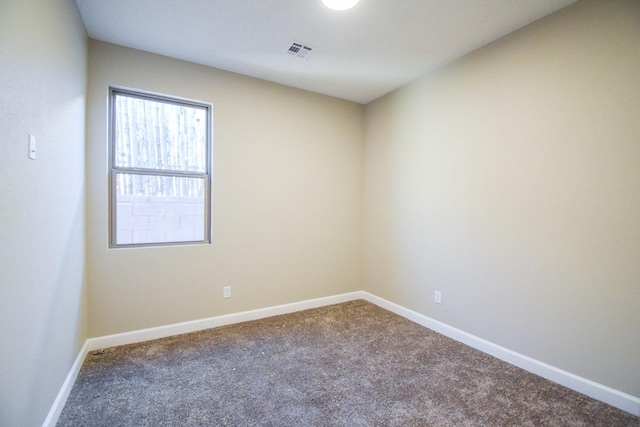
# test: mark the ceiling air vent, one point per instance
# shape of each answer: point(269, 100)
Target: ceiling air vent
point(300, 50)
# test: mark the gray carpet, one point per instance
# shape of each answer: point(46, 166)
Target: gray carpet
point(351, 364)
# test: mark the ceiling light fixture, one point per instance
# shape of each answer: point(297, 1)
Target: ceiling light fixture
point(340, 4)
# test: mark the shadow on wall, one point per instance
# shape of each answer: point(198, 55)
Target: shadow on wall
point(56, 346)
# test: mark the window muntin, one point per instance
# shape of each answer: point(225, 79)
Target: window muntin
point(160, 170)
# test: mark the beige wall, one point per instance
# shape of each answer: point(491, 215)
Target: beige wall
point(510, 181)
point(42, 293)
point(287, 199)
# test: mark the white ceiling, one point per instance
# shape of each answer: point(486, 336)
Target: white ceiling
point(360, 54)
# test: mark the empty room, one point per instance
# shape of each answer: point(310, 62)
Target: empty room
point(296, 212)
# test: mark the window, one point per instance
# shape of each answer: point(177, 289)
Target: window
point(160, 178)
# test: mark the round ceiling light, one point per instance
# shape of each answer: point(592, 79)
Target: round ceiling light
point(340, 4)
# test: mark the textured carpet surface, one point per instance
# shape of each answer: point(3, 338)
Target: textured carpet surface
point(351, 364)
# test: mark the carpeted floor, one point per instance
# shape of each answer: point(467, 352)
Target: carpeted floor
point(351, 364)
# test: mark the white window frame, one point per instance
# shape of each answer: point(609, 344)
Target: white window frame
point(114, 169)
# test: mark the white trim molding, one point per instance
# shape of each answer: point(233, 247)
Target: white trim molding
point(603, 393)
point(213, 322)
point(616, 398)
point(65, 390)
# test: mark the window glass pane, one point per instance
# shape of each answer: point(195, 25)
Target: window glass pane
point(159, 209)
point(159, 135)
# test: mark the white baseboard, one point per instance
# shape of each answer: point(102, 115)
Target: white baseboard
point(213, 322)
point(613, 397)
point(592, 389)
point(67, 385)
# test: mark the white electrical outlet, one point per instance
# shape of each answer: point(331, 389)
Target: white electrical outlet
point(226, 292)
point(32, 147)
point(437, 297)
